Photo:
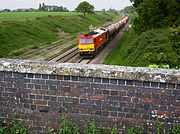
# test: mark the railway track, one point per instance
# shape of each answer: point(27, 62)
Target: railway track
point(70, 56)
point(45, 50)
point(65, 57)
point(84, 61)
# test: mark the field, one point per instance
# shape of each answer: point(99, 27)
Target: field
point(18, 37)
point(21, 16)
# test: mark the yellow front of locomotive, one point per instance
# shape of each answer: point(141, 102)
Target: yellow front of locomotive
point(86, 45)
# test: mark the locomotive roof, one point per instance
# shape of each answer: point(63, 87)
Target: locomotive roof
point(96, 32)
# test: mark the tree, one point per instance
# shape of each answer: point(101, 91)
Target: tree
point(85, 7)
point(136, 2)
point(156, 14)
point(40, 7)
point(103, 10)
point(128, 9)
point(52, 8)
point(43, 7)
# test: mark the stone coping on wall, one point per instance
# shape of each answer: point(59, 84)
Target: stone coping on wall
point(91, 70)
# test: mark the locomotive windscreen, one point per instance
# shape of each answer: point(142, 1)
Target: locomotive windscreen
point(89, 41)
point(86, 41)
point(82, 41)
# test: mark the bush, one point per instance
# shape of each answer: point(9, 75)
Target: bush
point(153, 47)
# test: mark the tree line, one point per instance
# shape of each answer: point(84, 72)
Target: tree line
point(51, 8)
point(42, 8)
point(83, 7)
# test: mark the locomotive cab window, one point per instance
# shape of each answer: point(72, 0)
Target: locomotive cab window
point(86, 41)
point(89, 41)
point(82, 41)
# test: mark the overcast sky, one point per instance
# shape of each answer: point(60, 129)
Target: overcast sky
point(70, 4)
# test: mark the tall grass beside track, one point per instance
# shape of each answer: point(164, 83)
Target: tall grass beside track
point(117, 56)
point(17, 37)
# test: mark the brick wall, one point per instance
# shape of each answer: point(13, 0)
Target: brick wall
point(40, 92)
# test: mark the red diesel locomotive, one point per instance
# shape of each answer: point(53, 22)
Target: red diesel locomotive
point(91, 42)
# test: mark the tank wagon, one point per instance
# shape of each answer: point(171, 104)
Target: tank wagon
point(91, 42)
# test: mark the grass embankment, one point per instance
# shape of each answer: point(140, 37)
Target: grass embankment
point(151, 47)
point(30, 34)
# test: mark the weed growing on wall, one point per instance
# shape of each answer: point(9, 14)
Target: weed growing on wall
point(92, 129)
point(2, 129)
point(68, 127)
point(135, 130)
point(160, 129)
point(114, 130)
point(176, 129)
point(15, 128)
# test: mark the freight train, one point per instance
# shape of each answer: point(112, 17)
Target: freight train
point(89, 44)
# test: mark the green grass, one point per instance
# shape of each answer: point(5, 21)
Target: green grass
point(24, 35)
point(116, 57)
point(22, 16)
point(151, 47)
